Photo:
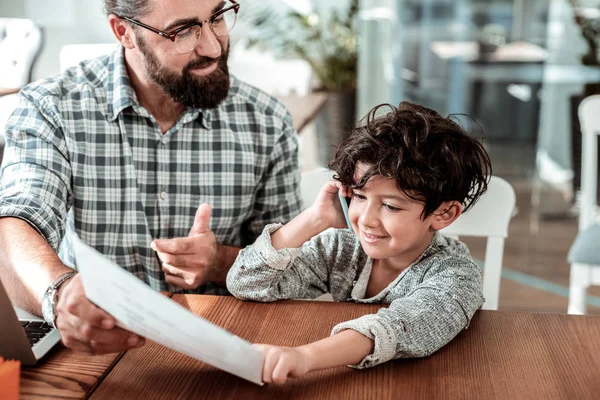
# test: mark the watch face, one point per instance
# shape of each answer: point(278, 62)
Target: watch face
point(47, 308)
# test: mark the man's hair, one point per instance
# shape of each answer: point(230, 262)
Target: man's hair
point(431, 158)
point(127, 8)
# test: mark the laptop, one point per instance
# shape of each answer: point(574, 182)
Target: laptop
point(23, 336)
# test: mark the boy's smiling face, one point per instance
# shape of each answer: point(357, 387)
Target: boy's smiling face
point(389, 224)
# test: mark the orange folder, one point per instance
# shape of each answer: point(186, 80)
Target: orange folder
point(9, 379)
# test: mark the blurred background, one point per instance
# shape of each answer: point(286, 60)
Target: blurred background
point(519, 68)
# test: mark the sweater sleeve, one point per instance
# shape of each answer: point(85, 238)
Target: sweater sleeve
point(262, 273)
point(427, 318)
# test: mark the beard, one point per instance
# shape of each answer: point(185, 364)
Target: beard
point(187, 89)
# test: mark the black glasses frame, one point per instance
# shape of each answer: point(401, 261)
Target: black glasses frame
point(171, 35)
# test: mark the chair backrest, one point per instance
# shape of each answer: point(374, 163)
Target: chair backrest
point(489, 218)
point(589, 118)
point(72, 54)
point(20, 43)
point(311, 183)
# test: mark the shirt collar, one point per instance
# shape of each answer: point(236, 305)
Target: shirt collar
point(119, 92)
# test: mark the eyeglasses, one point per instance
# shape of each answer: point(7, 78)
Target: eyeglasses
point(185, 38)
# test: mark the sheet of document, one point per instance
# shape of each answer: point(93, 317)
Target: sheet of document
point(140, 309)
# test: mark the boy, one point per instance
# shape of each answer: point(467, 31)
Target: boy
point(409, 173)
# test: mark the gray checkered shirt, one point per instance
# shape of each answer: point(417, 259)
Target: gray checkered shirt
point(84, 156)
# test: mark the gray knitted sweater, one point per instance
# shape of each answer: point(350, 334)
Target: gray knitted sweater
point(429, 303)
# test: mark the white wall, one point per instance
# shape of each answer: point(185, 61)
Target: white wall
point(63, 22)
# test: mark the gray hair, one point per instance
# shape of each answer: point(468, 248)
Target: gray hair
point(127, 8)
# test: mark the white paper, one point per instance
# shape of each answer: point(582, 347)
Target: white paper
point(140, 309)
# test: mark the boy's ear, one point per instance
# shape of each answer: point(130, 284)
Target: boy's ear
point(446, 214)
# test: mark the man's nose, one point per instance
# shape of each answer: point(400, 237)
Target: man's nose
point(208, 45)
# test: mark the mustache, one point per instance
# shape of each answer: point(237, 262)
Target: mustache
point(201, 62)
point(204, 61)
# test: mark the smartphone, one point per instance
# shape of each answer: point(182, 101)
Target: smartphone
point(345, 202)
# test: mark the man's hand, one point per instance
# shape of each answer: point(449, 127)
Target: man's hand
point(87, 328)
point(281, 363)
point(192, 261)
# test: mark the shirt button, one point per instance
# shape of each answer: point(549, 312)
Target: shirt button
point(163, 195)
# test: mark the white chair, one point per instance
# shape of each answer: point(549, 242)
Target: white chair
point(310, 184)
point(489, 218)
point(72, 54)
point(584, 254)
point(20, 44)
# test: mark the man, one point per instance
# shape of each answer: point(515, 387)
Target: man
point(136, 147)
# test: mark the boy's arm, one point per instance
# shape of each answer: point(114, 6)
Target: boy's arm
point(344, 348)
point(297, 232)
point(281, 363)
point(425, 320)
point(293, 261)
point(262, 273)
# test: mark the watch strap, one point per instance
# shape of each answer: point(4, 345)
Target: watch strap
point(51, 294)
point(61, 279)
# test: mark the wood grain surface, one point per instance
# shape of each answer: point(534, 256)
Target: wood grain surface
point(65, 374)
point(502, 355)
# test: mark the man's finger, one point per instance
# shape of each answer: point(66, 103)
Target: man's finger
point(178, 281)
point(182, 261)
point(171, 270)
point(201, 220)
point(77, 345)
point(185, 245)
point(78, 334)
point(115, 340)
point(102, 348)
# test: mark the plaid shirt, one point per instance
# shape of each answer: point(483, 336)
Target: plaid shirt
point(84, 156)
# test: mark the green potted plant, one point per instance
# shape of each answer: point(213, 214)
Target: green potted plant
point(329, 45)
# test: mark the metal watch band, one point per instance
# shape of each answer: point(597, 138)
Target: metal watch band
point(51, 293)
point(61, 279)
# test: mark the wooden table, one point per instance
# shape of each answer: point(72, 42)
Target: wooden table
point(304, 108)
point(502, 355)
point(65, 374)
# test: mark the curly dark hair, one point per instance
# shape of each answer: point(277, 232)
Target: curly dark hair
point(431, 158)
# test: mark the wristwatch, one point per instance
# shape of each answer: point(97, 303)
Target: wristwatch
point(49, 299)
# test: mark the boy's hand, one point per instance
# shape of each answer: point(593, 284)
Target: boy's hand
point(327, 207)
point(281, 363)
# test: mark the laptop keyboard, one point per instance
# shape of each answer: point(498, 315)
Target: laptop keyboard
point(35, 330)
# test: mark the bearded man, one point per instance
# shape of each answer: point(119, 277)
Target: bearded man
point(154, 155)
